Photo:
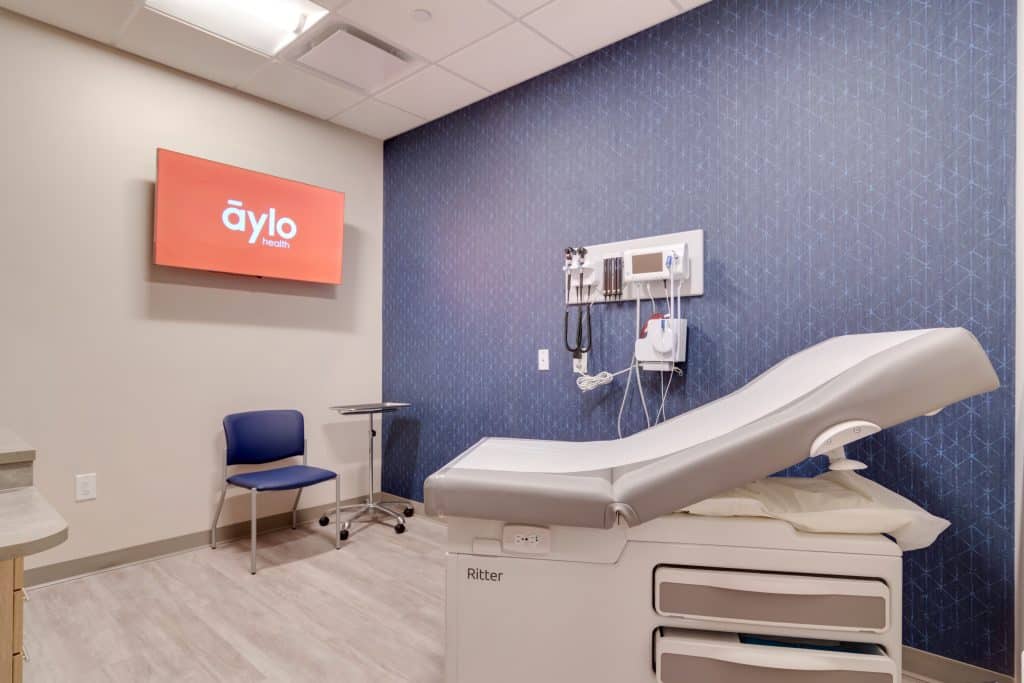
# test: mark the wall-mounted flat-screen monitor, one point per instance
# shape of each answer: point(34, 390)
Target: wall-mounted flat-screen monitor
point(212, 216)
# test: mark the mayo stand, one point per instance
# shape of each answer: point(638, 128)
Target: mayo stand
point(370, 505)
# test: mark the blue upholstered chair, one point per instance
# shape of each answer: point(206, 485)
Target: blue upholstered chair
point(260, 437)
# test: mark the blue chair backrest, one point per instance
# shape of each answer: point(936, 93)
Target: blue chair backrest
point(263, 436)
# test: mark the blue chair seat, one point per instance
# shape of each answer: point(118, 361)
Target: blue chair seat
point(282, 478)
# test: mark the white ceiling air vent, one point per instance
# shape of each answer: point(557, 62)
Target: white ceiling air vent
point(354, 60)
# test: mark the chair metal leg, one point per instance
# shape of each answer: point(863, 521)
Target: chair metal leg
point(337, 512)
point(216, 518)
point(252, 535)
point(295, 509)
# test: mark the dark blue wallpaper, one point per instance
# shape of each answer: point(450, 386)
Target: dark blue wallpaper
point(851, 162)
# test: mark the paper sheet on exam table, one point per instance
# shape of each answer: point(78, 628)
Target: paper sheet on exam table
point(834, 502)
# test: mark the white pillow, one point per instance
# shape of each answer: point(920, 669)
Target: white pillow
point(834, 502)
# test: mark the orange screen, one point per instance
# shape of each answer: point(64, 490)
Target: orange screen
point(212, 216)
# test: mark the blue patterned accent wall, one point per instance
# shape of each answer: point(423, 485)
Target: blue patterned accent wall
point(851, 162)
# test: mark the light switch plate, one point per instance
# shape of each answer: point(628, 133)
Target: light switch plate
point(543, 360)
point(85, 487)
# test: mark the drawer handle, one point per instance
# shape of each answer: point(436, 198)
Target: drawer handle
point(778, 584)
point(777, 658)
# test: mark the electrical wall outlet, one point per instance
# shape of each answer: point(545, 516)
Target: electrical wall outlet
point(579, 365)
point(85, 487)
point(526, 540)
point(543, 361)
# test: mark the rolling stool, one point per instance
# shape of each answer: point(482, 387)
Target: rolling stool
point(370, 505)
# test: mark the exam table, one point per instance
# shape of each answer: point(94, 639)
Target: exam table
point(570, 561)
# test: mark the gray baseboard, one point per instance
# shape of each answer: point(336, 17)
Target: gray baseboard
point(147, 551)
point(946, 670)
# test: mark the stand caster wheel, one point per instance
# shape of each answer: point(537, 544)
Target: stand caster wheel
point(399, 528)
point(409, 511)
point(343, 534)
point(324, 521)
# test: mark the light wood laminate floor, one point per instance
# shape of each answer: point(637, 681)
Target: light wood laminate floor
point(372, 611)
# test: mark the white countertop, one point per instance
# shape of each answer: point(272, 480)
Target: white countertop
point(14, 449)
point(28, 524)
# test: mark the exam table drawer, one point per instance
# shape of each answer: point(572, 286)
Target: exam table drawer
point(698, 657)
point(760, 598)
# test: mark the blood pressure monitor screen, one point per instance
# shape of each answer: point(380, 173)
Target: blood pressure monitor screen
point(648, 263)
point(212, 216)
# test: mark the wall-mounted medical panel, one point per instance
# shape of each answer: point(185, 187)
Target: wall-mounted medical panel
point(657, 267)
point(686, 656)
point(735, 598)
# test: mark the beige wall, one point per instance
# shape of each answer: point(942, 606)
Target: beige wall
point(111, 365)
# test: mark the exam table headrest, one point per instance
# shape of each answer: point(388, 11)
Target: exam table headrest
point(760, 429)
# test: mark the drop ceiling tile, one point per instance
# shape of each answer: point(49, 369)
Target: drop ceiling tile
point(377, 119)
point(432, 93)
point(175, 44)
point(295, 88)
point(582, 26)
point(687, 5)
point(510, 56)
point(96, 19)
point(352, 59)
point(520, 7)
point(454, 24)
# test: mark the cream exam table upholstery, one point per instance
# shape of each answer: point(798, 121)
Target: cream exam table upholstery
point(619, 589)
point(764, 427)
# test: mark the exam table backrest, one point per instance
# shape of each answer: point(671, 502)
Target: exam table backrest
point(920, 375)
point(762, 428)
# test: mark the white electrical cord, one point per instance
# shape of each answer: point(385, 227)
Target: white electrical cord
point(591, 382)
point(643, 399)
point(672, 299)
point(622, 406)
point(654, 304)
point(635, 367)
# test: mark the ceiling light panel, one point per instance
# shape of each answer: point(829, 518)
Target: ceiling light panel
point(351, 59)
point(158, 37)
point(267, 26)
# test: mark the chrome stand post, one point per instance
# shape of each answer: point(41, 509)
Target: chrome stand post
point(372, 506)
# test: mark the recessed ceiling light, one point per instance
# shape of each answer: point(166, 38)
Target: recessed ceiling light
point(266, 26)
point(422, 15)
